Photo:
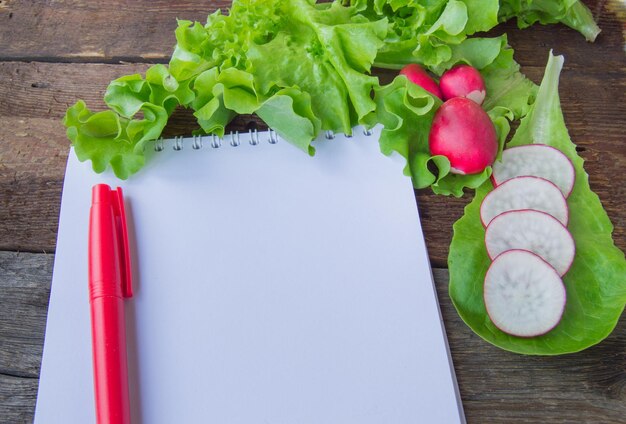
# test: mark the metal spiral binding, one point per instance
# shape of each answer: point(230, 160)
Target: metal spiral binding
point(329, 135)
point(234, 138)
point(254, 137)
point(197, 141)
point(158, 145)
point(273, 139)
point(178, 143)
point(216, 142)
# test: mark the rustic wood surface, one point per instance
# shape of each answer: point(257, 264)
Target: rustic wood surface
point(496, 386)
point(53, 53)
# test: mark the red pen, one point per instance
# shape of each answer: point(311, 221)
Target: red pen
point(109, 284)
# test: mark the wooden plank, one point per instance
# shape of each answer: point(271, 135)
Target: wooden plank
point(143, 30)
point(496, 386)
point(24, 290)
point(606, 49)
point(78, 30)
point(18, 397)
point(503, 387)
point(33, 147)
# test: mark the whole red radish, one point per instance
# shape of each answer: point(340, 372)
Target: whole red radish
point(417, 75)
point(463, 81)
point(463, 132)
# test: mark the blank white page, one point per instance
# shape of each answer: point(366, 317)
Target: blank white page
point(270, 287)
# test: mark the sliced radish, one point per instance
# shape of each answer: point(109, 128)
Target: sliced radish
point(524, 296)
point(536, 160)
point(535, 231)
point(524, 193)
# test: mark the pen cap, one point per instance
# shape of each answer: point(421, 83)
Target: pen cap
point(109, 256)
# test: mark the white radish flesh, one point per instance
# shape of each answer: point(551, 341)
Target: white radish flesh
point(524, 193)
point(531, 230)
point(524, 296)
point(536, 160)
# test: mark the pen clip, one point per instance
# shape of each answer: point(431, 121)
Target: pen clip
point(122, 239)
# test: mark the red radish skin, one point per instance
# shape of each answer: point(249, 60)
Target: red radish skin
point(463, 132)
point(539, 160)
point(463, 81)
point(537, 269)
point(417, 75)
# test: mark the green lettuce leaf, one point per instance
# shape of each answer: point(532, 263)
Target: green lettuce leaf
point(221, 96)
point(406, 111)
point(290, 114)
point(329, 60)
point(572, 13)
point(304, 66)
point(102, 138)
point(314, 58)
point(425, 32)
point(117, 137)
point(596, 283)
point(406, 126)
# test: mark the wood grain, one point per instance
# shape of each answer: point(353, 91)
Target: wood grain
point(33, 147)
point(502, 387)
point(496, 386)
point(18, 396)
point(24, 290)
point(35, 95)
point(143, 30)
point(87, 31)
point(55, 52)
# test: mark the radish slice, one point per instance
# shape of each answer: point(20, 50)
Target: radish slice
point(531, 230)
point(536, 160)
point(523, 294)
point(524, 193)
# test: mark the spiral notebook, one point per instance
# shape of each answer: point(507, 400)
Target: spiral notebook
point(269, 287)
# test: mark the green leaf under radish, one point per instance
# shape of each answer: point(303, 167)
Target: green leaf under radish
point(536, 160)
point(596, 283)
point(525, 193)
point(535, 231)
point(524, 295)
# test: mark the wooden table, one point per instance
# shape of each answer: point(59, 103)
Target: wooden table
point(53, 53)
